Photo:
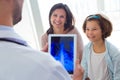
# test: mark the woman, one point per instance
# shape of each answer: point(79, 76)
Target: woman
point(62, 22)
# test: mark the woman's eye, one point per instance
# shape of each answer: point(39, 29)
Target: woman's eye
point(62, 16)
point(87, 29)
point(54, 15)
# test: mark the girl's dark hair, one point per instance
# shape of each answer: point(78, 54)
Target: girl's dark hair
point(105, 24)
point(69, 25)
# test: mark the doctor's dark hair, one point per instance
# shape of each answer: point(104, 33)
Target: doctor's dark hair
point(103, 22)
point(69, 25)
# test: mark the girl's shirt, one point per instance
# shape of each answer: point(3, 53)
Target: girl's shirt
point(112, 59)
point(97, 67)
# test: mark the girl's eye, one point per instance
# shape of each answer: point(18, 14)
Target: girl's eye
point(90, 29)
point(94, 29)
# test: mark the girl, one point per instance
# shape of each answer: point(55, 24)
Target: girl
point(101, 60)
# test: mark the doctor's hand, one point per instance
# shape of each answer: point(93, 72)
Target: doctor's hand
point(78, 72)
point(45, 48)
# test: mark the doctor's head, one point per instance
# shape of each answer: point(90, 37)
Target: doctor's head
point(10, 11)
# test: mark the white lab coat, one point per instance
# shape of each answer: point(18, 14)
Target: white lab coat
point(18, 62)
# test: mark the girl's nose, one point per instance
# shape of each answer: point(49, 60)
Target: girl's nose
point(89, 32)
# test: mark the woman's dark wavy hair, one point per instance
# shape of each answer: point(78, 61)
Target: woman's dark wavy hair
point(105, 24)
point(69, 25)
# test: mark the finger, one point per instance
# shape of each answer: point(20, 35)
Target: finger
point(77, 62)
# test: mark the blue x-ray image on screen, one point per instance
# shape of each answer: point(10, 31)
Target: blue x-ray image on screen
point(62, 49)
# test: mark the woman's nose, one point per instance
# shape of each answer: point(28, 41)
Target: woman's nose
point(57, 18)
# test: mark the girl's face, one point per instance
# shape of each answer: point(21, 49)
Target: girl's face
point(58, 19)
point(93, 31)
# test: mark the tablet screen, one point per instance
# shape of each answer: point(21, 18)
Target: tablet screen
point(63, 48)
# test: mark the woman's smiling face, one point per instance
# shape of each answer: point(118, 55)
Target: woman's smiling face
point(58, 19)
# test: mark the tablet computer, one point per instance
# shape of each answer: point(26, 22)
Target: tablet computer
point(63, 48)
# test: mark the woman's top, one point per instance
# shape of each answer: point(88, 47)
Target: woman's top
point(44, 40)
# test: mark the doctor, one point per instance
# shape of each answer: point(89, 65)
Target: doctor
point(17, 60)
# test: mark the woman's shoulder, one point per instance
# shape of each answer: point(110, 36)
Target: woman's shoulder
point(44, 35)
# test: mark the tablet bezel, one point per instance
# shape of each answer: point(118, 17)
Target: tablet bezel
point(64, 35)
